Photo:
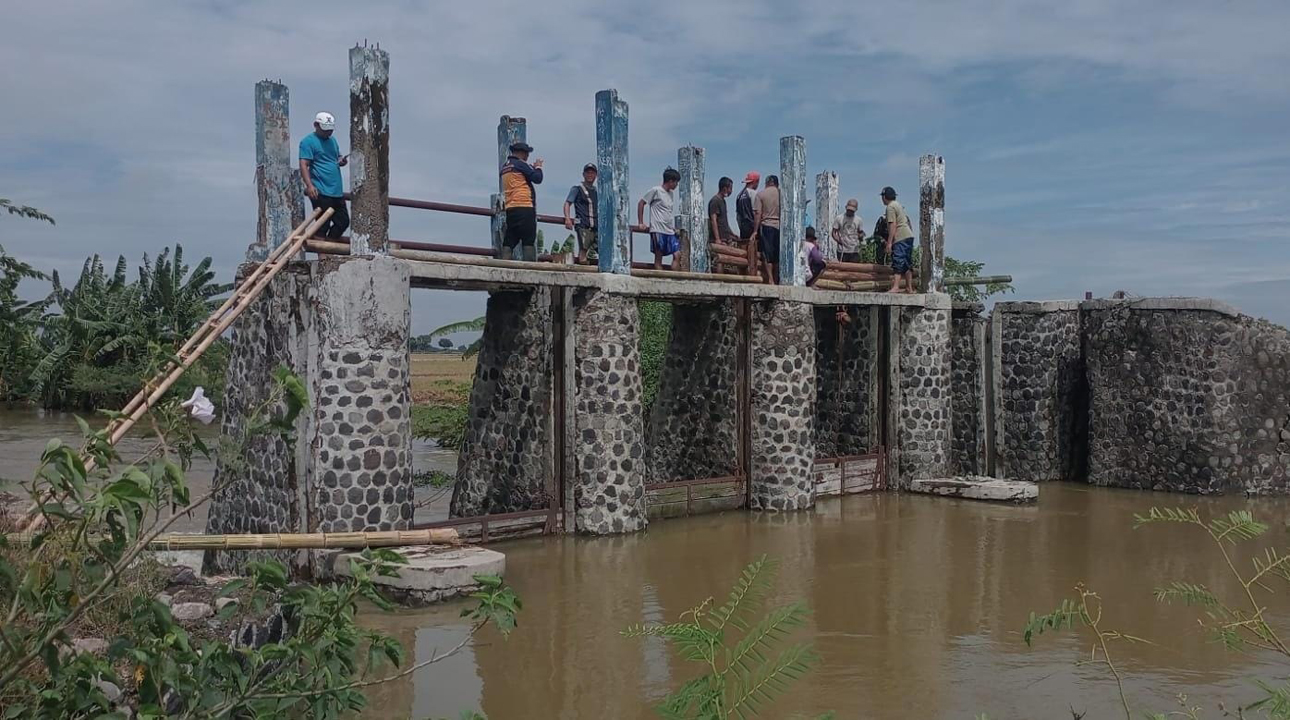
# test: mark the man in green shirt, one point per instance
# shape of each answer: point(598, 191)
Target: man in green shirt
point(900, 242)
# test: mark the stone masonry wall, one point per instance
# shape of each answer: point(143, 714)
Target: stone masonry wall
point(846, 376)
point(783, 406)
point(1187, 396)
point(1040, 380)
point(609, 430)
point(923, 393)
point(502, 464)
point(259, 490)
point(361, 398)
point(692, 427)
point(967, 385)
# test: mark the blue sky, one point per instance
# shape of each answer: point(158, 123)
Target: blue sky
point(1094, 146)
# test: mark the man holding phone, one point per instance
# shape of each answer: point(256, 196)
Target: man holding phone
point(320, 164)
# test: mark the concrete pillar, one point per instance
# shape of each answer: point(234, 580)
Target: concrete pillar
point(501, 466)
point(613, 209)
point(826, 211)
point(277, 182)
point(510, 130)
point(846, 382)
point(931, 223)
point(968, 387)
point(921, 392)
point(369, 150)
point(608, 427)
point(792, 213)
point(783, 406)
point(692, 206)
point(361, 470)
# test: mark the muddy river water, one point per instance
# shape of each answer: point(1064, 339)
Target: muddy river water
point(917, 607)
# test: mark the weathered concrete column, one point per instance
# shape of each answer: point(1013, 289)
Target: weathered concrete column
point(826, 211)
point(277, 184)
point(501, 465)
point(369, 150)
point(510, 130)
point(792, 212)
point(920, 388)
point(609, 431)
point(692, 207)
point(361, 471)
point(967, 385)
point(783, 406)
point(693, 427)
point(931, 223)
point(612, 210)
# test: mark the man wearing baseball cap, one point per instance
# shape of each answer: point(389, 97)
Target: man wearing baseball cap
point(848, 232)
point(900, 241)
point(746, 217)
point(320, 164)
point(520, 200)
point(582, 199)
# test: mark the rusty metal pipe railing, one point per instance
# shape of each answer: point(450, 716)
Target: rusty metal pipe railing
point(475, 210)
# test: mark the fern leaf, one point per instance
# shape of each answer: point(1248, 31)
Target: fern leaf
point(1173, 515)
point(772, 628)
point(771, 680)
point(1238, 525)
point(1064, 617)
point(1187, 594)
point(746, 595)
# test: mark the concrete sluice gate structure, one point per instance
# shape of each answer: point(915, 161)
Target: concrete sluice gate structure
point(769, 397)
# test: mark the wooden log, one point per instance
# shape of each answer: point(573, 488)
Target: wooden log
point(735, 260)
point(858, 267)
point(852, 286)
point(290, 541)
point(983, 280)
point(721, 249)
point(853, 277)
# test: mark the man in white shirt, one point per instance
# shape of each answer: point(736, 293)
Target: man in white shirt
point(662, 214)
point(848, 233)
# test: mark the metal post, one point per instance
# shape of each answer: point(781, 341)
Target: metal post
point(792, 212)
point(369, 150)
point(826, 211)
point(614, 228)
point(693, 208)
point(277, 185)
point(510, 130)
point(931, 223)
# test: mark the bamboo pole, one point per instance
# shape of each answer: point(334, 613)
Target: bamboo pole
point(289, 541)
point(983, 280)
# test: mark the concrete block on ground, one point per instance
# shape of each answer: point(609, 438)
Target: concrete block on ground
point(432, 573)
point(975, 487)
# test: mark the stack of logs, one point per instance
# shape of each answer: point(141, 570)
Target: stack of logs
point(837, 275)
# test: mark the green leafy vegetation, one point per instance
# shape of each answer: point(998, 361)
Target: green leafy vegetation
point(426, 342)
point(445, 424)
point(655, 332)
point(737, 649)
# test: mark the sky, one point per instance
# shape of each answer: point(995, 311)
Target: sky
point(1089, 146)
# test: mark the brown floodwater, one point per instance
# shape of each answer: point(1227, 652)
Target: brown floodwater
point(918, 606)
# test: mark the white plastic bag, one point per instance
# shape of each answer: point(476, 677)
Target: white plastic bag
point(200, 407)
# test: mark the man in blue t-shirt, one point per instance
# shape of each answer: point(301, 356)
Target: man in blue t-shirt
point(320, 164)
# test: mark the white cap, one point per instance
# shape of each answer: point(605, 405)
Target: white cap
point(325, 121)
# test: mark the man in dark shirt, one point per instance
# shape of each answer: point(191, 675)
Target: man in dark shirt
point(746, 217)
point(518, 179)
point(718, 217)
point(582, 199)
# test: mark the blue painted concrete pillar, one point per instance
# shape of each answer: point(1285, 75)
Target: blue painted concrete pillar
point(792, 213)
point(277, 182)
point(826, 211)
point(614, 229)
point(510, 130)
point(693, 208)
point(369, 150)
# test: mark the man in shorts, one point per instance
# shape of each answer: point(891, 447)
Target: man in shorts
point(848, 233)
point(766, 211)
point(582, 199)
point(900, 242)
point(662, 218)
point(520, 201)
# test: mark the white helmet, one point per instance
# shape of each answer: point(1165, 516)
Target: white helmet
point(325, 121)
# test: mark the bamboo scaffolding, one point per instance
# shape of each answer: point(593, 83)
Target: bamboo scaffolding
point(289, 541)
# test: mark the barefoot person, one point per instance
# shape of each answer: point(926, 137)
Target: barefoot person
point(766, 211)
point(747, 217)
point(900, 242)
point(662, 219)
point(848, 233)
point(320, 164)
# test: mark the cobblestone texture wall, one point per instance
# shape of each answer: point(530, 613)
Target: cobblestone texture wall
point(610, 433)
point(362, 401)
point(261, 490)
point(1188, 400)
point(502, 465)
point(967, 385)
point(846, 377)
point(923, 397)
point(1041, 382)
point(783, 406)
point(692, 427)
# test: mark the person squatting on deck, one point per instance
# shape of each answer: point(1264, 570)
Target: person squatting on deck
point(520, 200)
point(814, 258)
point(662, 223)
point(320, 164)
point(900, 242)
point(582, 198)
point(848, 233)
point(766, 228)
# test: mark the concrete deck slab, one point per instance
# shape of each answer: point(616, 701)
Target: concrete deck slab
point(974, 487)
point(475, 277)
point(1164, 303)
point(433, 573)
